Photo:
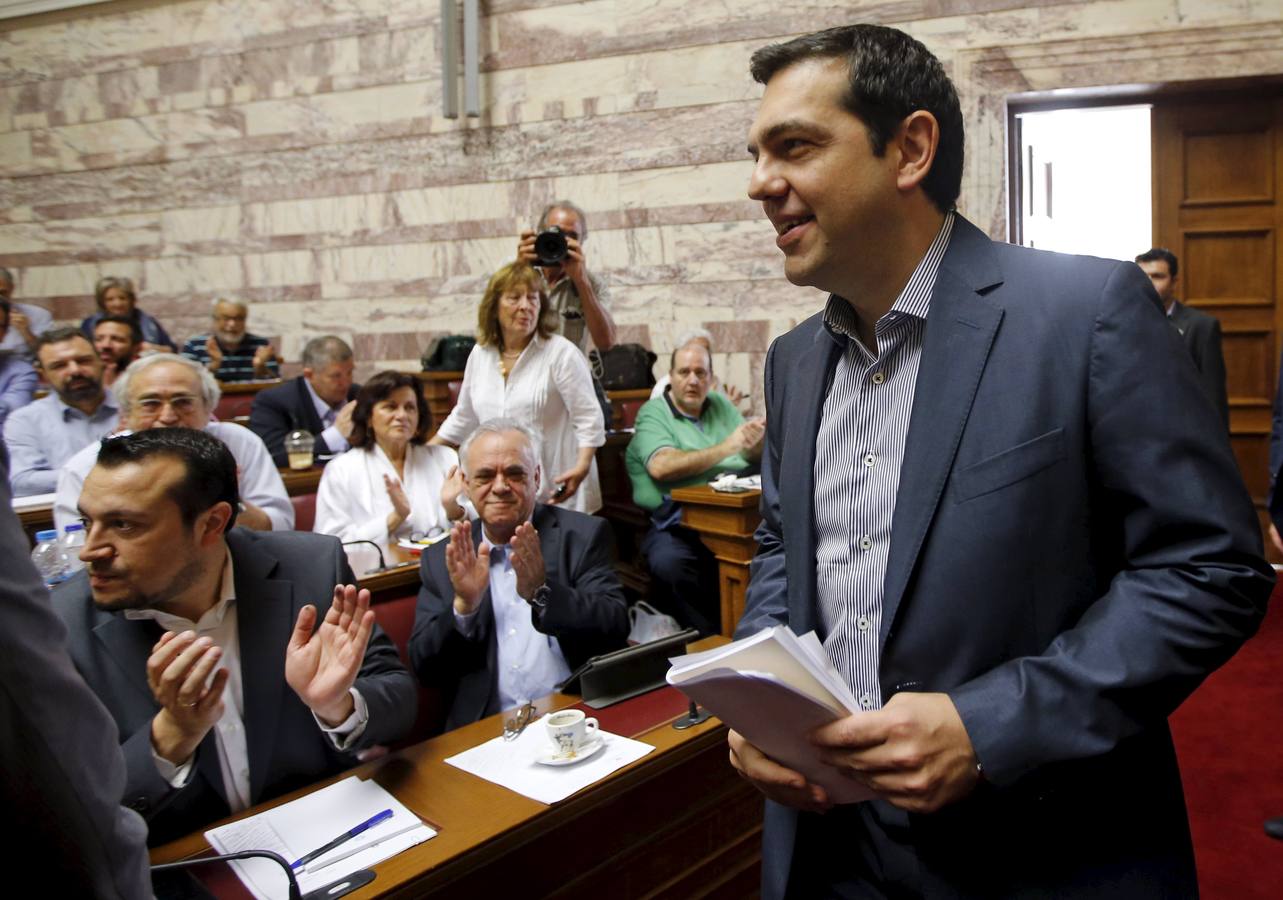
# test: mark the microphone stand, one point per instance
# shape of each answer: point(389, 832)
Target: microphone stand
point(383, 566)
point(339, 888)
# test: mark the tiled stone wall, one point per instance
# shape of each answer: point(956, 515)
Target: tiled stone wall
point(292, 152)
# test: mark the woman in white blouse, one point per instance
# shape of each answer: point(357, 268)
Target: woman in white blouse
point(390, 484)
point(521, 370)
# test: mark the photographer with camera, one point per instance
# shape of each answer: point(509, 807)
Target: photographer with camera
point(576, 296)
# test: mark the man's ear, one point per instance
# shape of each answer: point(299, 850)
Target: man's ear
point(213, 525)
point(916, 141)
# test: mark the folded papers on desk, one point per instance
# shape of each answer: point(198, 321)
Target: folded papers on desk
point(300, 826)
point(511, 764)
point(775, 688)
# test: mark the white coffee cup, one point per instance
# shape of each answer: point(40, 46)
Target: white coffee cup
point(569, 730)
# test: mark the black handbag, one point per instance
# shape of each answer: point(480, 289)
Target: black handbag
point(448, 353)
point(627, 367)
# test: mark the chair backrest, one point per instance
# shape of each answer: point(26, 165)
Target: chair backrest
point(304, 511)
point(395, 615)
point(232, 405)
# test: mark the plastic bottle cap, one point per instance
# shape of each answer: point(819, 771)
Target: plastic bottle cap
point(76, 527)
point(51, 535)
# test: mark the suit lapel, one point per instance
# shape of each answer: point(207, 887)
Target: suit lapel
point(808, 384)
point(264, 615)
point(959, 335)
point(128, 645)
point(311, 421)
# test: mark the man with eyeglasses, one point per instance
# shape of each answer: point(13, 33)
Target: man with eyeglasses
point(689, 435)
point(165, 390)
point(230, 352)
point(517, 600)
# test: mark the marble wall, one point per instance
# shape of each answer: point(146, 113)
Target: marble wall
point(293, 153)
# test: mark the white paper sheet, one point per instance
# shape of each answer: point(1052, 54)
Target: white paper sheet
point(512, 763)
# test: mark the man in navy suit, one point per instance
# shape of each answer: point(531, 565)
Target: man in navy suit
point(994, 489)
point(319, 401)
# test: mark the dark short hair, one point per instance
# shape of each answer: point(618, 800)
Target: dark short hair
point(891, 76)
point(511, 275)
point(135, 332)
point(58, 335)
point(380, 387)
point(210, 467)
point(1160, 254)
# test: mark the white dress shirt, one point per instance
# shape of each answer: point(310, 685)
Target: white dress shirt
point(530, 662)
point(549, 391)
point(219, 625)
point(260, 482)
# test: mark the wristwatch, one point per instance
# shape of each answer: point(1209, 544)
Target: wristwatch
point(539, 600)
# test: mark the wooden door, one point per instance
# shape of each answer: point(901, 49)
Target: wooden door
point(1217, 172)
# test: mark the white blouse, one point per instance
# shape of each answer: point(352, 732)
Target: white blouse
point(352, 501)
point(550, 391)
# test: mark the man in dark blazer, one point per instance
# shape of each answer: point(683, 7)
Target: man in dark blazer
point(515, 601)
point(61, 772)
point(232, 675)
point(320, 401)
point(992, 487)
point(1200, 332)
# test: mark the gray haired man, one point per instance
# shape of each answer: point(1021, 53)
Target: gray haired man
point(319, 401)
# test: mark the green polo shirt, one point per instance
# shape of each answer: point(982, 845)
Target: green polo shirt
point(660, 425)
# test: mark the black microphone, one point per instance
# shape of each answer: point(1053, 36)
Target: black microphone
point(383, 566)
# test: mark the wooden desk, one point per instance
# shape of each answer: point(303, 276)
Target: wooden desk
point(725, 523)
point(403, 574)
point(301, 481)
point(38, 518)
point(678, 822)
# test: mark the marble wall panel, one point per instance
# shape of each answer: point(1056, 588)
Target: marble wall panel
point(292, 152)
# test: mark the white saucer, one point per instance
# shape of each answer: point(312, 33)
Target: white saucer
point(547, 758)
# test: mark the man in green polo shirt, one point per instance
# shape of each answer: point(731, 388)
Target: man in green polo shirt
point(689, 435)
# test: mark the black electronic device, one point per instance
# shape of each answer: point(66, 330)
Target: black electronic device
point(607, 679)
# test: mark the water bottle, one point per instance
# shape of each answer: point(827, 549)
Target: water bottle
point(48, 557)
point(71, 543)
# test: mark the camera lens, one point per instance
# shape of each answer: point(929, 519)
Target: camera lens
point(550, 247)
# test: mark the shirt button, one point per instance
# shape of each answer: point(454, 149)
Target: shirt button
point(870, 459)
point(866, 701)
point(866, 543)
point(862, 623)
point(878, 378)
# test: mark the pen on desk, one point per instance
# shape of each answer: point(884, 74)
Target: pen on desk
point(342, 838)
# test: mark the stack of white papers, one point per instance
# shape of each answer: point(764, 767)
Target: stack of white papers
point(32, 501)
point(775, 688)
point(297, 828)
point(513, 765)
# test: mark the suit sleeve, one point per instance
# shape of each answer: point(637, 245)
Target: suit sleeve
point(269, 418)
point(59, 760)
point(766, 602)
point(1176, 529)
point(440, 654)
point(1211, 366)
point(587, 601)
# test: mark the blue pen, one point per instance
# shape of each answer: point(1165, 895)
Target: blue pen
point(342, 838)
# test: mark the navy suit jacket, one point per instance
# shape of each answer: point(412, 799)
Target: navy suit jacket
point(586, 613)
point(288, 407)
point(1201, 334)
point(277, 573)
point(1072, 552)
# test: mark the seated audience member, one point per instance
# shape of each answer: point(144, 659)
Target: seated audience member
point(238, 665)
point(391, 484)
point(17, 378)
point(231, 352)
point(705, 337)
point(319, 401)
point(117, 342)
point(515, 601)
point(45, 434)
point(61, 768)
point(165, 390)
point(26, 322)
point(688, 436)
point(115, 297)
point(520, 369)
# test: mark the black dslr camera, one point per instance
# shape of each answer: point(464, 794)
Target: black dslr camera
point(551, 247)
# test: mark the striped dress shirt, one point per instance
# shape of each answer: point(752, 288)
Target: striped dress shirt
point(858, 453)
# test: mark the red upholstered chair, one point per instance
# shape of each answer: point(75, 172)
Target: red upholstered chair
point(454, 387)
point(395, 615)
point(230, 406)
point(304, 511)
point(626, 413)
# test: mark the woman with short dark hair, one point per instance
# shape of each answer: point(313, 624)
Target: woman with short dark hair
point(391, 484)
point(115, 296)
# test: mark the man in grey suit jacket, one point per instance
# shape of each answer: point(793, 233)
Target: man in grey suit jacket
point(1200, 332)
point(61, 771)
point(993, 488)
point(515, 601)
point(231, 674)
